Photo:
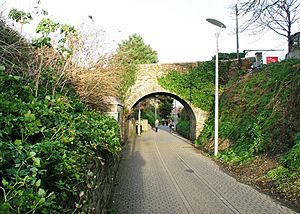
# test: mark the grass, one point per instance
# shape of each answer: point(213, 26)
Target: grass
point(259, 116)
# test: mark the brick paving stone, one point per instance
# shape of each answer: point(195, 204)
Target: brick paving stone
point(161, 173)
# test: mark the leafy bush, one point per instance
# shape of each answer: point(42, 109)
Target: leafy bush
point(277, 173)
point(183, 128)
point(48, 138)
point(46, 144)
point(292, 158)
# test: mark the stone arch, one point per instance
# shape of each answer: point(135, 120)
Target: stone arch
point(146, 85)
point(197, 116)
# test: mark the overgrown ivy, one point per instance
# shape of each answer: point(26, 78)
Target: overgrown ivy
point(197, 85)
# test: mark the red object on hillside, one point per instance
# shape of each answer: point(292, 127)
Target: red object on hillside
point(271, 59)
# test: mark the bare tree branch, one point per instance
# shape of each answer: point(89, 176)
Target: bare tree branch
point(277, 15)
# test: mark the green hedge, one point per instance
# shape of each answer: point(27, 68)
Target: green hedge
point(46, 144)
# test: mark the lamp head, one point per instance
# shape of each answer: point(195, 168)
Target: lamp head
point(216, 22)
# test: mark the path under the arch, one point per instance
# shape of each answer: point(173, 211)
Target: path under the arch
point(161, 172)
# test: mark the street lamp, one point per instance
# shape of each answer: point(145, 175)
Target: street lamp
point(139, 121)
point(156, 123)
point(217, 34)
point(155, 110)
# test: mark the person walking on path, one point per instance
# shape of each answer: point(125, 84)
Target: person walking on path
point(172, 126)
point(156, 124)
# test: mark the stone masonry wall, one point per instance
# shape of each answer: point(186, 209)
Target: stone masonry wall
point(146, 80)
point(102, 178)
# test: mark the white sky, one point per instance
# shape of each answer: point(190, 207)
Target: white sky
point(176, 29)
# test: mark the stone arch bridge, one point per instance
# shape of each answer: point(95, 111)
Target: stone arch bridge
point(146, 85)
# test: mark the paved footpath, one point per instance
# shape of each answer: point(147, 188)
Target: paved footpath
point(160, 173)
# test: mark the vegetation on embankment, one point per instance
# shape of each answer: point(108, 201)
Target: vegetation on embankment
point(259, 130)
point(49, 139)
point(260, 123)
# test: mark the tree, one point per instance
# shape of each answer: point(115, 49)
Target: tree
point(129, 54)
point(165, 106)
point(278, 15)
point(135, 51)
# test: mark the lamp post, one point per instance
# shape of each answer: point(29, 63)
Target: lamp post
point(156, 123)
point(155, 111)
point(139, 121)
point(217, 34)
point(237, 34)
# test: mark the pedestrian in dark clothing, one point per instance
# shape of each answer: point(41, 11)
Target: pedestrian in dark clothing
point(172, 126)
point(156, 125)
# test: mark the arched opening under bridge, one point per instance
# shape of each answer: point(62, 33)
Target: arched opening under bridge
point(196, 116)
